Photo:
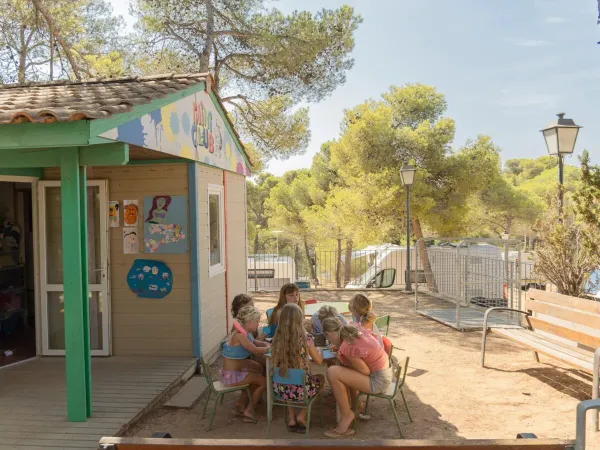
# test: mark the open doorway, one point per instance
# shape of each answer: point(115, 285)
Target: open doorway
point(17, 275)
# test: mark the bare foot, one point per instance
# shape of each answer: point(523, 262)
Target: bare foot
point(344, 423)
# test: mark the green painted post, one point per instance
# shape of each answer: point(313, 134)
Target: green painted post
point(85, 288)
point(75, 354)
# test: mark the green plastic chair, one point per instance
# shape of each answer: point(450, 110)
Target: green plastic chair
point(383, 322)
point(391, 394)
point(215, 387)
point(296, 377)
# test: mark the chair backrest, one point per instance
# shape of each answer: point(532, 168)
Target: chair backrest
point(310, 301)
point(400, 376)
point(571, 311)
point(206, 373)
point(295, 377)
point(382, 323)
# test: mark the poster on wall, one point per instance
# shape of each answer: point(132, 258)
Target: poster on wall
point(150, 279)
point(113, 214)
point(130, 241)
point(130, 213)
point(165, 224)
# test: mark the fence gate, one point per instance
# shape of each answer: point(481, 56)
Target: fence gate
point(458, 279)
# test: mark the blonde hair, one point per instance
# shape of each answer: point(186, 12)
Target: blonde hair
point(289, 340)
point(361, 305)
point(248, 314)
point(326, 312)
point(288, 288)
point(239, 301)
point(348, 333)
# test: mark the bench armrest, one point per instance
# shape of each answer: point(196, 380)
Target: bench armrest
point(499, 308)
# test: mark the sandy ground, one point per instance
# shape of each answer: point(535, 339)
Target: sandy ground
point(450, 396)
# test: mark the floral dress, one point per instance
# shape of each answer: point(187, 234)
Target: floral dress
point(294, 393)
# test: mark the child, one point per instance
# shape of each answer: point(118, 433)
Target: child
point(238, 369)
point(289, 293)
point(362, 314)
point(239, 301)
point(316, 323)
point(291, 348)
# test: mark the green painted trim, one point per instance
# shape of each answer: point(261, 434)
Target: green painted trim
point(94, 140)
point(115, 154)
point(35, 172)
point(47, 135)
point(33, 157)
point(84, 285)
point(75, 348)
point(144, 162)
point(99, 126)
point(223, 115)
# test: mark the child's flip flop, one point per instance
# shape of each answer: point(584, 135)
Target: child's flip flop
point(337, 435)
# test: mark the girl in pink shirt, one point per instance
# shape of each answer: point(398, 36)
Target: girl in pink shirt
point(367, 369)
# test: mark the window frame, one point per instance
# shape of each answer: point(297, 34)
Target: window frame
point(218, 190)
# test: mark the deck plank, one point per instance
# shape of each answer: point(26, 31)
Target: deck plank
point(33, 399)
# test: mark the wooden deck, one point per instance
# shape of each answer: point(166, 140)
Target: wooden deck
point(33, 399)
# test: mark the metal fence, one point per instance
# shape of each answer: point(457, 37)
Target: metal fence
point(460, 278)
point(376, 267)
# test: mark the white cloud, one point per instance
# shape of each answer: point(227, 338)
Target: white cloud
point(528, 42)
point(555, 19)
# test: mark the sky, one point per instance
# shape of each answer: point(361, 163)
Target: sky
point(506, 67)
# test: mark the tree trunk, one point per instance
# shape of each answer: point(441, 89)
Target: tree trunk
point(256, 243)
point(22, 57)
point(431, 284)
point(348, 263)
point(338, 265)
point(208, 43)
point(51, 57)
point(58, 37)
point(313, 271)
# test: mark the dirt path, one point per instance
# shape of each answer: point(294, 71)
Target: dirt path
point(449, 395)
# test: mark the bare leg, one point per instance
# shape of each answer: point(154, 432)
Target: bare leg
point(257, 384)
point(340, 379)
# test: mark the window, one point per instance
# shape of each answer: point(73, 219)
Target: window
point(216, 230)
point(384, 279)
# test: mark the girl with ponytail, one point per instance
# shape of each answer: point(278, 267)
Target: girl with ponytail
point(365, 368)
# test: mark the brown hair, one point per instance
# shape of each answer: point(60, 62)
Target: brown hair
point(288, 288)
point(361, 305)
point(326, 312)
point(239, 301)
point(289, 340)
point(348, 333)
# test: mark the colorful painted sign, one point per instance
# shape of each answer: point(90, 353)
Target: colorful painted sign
point(165, 224)
point(130, 213)
point(190, 128)
point(150, 279)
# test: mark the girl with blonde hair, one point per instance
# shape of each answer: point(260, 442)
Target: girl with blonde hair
point(362, 314)
point(366, 368)
point(291, 350)
point(238, 369)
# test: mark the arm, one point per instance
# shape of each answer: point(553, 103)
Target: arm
point(315, 354)
point(261, 343)
point(244, 342)
point(357, 364)
point(276, 317)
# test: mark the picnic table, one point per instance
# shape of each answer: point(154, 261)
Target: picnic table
point(342, 307)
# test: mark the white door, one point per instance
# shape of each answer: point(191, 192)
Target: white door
point(51, 267)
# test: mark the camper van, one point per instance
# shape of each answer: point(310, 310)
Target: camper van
point(385, 267)
point(269, 272)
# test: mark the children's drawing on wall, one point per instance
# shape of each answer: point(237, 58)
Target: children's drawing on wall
point(130, 213)
point(130, 241)
point(165, 227)
point(113, 214)
point(150, 279)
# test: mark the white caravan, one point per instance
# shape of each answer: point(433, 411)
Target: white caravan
point(270, 271)
point(386, 267)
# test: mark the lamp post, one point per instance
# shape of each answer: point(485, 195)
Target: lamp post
point(277, 233)
point(560, 136)
point(407, 173)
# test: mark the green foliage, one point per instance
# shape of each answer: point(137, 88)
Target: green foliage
point(264, 62)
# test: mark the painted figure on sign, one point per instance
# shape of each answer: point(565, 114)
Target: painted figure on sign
point(130, 243)
point(113, 212)
point(158, 212)
point(130, 214)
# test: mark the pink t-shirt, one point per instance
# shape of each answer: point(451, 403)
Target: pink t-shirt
point(367, 348)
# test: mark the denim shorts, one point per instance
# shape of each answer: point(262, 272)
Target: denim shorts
point(380, 381)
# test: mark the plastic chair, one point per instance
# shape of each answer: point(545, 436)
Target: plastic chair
point(391, 394)
point(296, 377)
point(383, 322)
point(215, 387)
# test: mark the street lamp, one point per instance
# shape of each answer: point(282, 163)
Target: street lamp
point(407, 173)
point(277, 233)
point(560, 136)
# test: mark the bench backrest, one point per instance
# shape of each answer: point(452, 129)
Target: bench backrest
point(580, 313)
point(323, 444)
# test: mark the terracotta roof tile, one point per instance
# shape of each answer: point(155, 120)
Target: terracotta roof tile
point(61, 101)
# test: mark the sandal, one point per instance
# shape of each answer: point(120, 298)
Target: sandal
point(301, 428)
point(292, 428)
point(337, 435)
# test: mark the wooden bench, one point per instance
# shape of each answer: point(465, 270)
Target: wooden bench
point(323, 444)
point(557, 326)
